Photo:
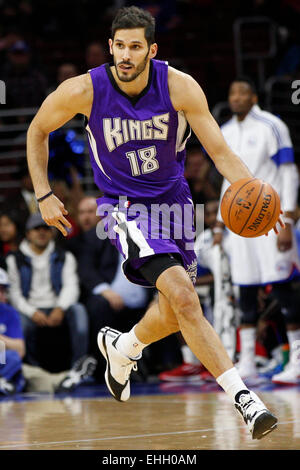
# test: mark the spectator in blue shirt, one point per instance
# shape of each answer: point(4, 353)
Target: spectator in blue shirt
point(12, 345)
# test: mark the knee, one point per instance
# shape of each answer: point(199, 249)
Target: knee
point(185, 302)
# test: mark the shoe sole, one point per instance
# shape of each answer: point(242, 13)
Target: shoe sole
point(103, 350)
point(264, 424)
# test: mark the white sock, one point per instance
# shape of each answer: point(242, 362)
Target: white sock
point(294, 343)
point(129, 345)
point(293, 335)
point(231, 383)
point(248, 337)
point(188, 356)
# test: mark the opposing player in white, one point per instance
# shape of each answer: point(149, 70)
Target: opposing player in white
point(264, 144)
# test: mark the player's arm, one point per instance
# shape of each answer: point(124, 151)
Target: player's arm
point(187, 95)
point(72, 97)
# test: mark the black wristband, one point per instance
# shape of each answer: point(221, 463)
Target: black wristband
point(40, 199)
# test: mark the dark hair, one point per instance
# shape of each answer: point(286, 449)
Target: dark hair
point(14, 216)
point(248, 80)
point(134, 17)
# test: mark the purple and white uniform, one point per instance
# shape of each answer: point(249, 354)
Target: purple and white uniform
point(137, 150)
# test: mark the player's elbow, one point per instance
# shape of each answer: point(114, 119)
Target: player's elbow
point(35, 131)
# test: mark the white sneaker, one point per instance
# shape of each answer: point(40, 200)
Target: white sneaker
point(289, 376)
point(83, 368)
point(118, 366)
point(258, 418)
point(6, 387)
point(246, 370)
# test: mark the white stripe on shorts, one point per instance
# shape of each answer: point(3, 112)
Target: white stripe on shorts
point(135, 234)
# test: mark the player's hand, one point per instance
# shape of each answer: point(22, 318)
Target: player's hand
point(53, 212)
point(285, 238)
point(56, 317)
point(40, 318)
point(114, 299)
point(280, 222)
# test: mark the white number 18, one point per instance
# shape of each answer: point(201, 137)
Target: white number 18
point(149, 162)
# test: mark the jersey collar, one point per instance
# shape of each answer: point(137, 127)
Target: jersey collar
point(133, 99)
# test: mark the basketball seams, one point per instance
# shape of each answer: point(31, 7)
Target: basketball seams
point(230, 207)
point(275, 205)
point(261, 193)
point(254, 206)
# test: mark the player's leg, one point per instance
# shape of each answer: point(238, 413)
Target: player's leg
point(179, 298)
point(158, 322)
point(121, 350)
point(206, 345)
point(248, 303)
point(196, 330)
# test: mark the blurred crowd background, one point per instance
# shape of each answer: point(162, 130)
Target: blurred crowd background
point(44, 43)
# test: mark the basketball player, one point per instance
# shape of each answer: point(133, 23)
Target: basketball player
point(139, 111)
point(264, 142)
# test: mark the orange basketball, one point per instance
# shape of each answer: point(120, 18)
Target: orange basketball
point(250, 207)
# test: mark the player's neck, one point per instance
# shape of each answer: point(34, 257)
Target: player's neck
point(137, 85)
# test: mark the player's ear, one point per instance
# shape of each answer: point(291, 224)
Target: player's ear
point(110, 43)
point(153, 50)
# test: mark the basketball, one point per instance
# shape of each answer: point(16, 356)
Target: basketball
point(250, 207)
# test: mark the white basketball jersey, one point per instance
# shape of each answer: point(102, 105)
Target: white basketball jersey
point(263, 143)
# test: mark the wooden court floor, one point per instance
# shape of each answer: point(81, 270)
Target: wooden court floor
point(187, 421)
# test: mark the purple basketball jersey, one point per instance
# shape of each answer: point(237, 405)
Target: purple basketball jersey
point(137, 145)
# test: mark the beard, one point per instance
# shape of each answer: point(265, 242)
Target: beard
point(127, 77)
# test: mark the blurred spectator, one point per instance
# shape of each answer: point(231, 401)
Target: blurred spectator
point(95, 55)
point(25, 85)
point(199, 173)
point(289, 66)
point(16, 16)
point(164, 12)
point(23, 203)
point(64, 71)
point(87, 219)
point(11, 233)
point(87, 213)
point(103, 267)
point(44, 288)
point(67, 154)
point(263, 142)
point(11, 335)
point(107, 292)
